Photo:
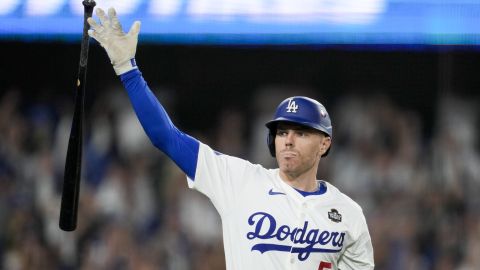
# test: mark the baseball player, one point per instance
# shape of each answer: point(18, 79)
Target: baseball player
point(272, 219)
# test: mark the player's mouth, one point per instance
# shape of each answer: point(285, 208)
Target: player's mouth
point(288, 154)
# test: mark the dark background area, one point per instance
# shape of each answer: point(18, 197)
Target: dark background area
point(412, 76)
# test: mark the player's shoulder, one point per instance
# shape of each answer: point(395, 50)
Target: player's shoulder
point(344, 198)
point(210, 154)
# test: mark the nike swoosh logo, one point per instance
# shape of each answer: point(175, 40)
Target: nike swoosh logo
point(271, 192)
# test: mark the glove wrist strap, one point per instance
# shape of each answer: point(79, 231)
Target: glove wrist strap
point(125, 66)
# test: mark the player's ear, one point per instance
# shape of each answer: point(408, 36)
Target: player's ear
point(325, 144)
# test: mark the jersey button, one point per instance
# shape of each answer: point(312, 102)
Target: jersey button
point(304, 205)
point(292, 259)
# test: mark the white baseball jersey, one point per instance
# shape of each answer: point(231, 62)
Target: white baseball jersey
point(268, 225)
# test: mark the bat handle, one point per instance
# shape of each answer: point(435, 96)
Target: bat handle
point(88, 6)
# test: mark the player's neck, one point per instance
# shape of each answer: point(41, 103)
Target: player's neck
point(306, 181)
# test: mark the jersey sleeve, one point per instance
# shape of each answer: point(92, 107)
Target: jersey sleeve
point(359, 254)
point(221, 177)
point(178, 146)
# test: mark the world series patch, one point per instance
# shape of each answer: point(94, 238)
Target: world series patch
point(334, 216)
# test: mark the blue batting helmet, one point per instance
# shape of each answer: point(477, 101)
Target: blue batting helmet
point(303, 111)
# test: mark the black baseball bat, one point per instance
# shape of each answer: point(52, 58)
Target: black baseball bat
point(73, 162)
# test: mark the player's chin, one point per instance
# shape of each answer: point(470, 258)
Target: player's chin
point(287, 164)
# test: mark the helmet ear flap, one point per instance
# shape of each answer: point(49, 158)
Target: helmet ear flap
point(271, 142)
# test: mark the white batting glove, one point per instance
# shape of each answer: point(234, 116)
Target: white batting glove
point(120, 46)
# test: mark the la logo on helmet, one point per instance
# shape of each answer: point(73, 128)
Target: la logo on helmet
point(292, 106)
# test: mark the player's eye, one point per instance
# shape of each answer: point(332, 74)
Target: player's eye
point(281, 132)
point(301, 133)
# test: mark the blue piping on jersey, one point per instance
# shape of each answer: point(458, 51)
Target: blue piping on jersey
point(322, 188)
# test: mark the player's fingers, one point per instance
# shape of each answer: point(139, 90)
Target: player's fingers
point(93, 24)
point(103, 17)
point(135, 28)
point(95, 28)
point(93, 34)
point(114, 22)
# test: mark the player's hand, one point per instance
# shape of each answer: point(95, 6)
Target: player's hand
point(120, 46)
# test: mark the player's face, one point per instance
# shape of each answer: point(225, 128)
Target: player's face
point(298, 149)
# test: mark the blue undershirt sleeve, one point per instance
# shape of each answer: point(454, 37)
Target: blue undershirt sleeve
point(180, 147)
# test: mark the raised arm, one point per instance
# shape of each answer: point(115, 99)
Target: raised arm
point(121, 48)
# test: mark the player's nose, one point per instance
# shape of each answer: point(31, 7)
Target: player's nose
point(289, 138)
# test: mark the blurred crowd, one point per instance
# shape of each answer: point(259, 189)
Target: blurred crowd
point(419, 190)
